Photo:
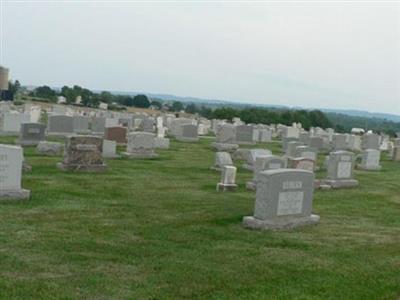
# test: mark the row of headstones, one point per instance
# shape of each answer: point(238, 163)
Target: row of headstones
point(81, 153)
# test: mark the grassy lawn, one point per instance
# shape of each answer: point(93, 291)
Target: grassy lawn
point(157, 229)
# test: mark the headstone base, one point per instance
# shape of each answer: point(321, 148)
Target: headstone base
point(281, 223)
point(140, 155)
point(84, 168)
point(187, 139)
point(221, 187)
point(6, 195)
point(109, 156)
point(26, 143)
point(248, 167)
point(49, 148)
point(338, 184)
point(361, 167)
point(161, 143)
point(225, 147)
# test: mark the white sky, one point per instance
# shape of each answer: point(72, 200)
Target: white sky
point(327, 55)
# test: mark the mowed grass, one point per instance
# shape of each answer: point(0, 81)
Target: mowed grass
point(157, 229)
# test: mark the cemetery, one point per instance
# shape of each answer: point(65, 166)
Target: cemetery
point(293, 201)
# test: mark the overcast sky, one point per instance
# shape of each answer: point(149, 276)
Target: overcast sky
point(330, 55)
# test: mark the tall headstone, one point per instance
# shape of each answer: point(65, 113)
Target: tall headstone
point(11, 160)
point(370, 160)
point(228, 177)
point(284, 199)
point(83, 153)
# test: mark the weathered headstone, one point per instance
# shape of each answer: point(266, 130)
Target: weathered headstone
point(252, 155)
point(228, 177)
point(83, 153)
point(11, 160)
point(340, 170)
point(49, 148)
point(284, 199)
point(396, 153)
point(339, 142)
point(370, 160)
point(81, 124)
point(222, 159)
point(161, 143)
point(31, 134)
point(264, 163)
point(60, 125)
point(370, 141)
point(244, 134)
point(188, 133)
point(110, 149)
point(140, 145)
point(225, 136)
point(301, 163)
point(117, 134)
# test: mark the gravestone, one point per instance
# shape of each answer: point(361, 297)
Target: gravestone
point(110, 149)
point(286, 141)
point(264, 163)
point(396, 153)
point(140, 145)
point(340, 170)
point(244, 135)
point(81, 124)
point(225, 136)
point(31, 134)
point(370, 160)
point(49, 148)
point(306, 152)
point(83, 153)
point(222, 159)
point(370, 141)
point(98, 125)
point(11, 160)
point(265, 135)
point(161, 143)
point(291, 148)
point(116, 134)
point(60, 125)
point(316, 142)
point(228, 177)
point(188, 133)
point(252, 155)
point(339, 142)
point(301, 163)
point(284, 199)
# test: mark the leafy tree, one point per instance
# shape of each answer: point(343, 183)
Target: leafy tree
point(14, 87)
point(177, 106)
point(156, 104)
point(45, 92)
point(191, 108)
point(141, 101)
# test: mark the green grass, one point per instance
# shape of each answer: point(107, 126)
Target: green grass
point(157, 229)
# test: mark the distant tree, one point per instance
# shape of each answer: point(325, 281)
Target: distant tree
point(225, 113)
point(45, 92)
point(105, 97)
point(177, 106)
point(191, 108)
point(141, 101)
point(156, 104)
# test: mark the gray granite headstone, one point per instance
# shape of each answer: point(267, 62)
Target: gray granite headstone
point(284, 199)
point(31, 134)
